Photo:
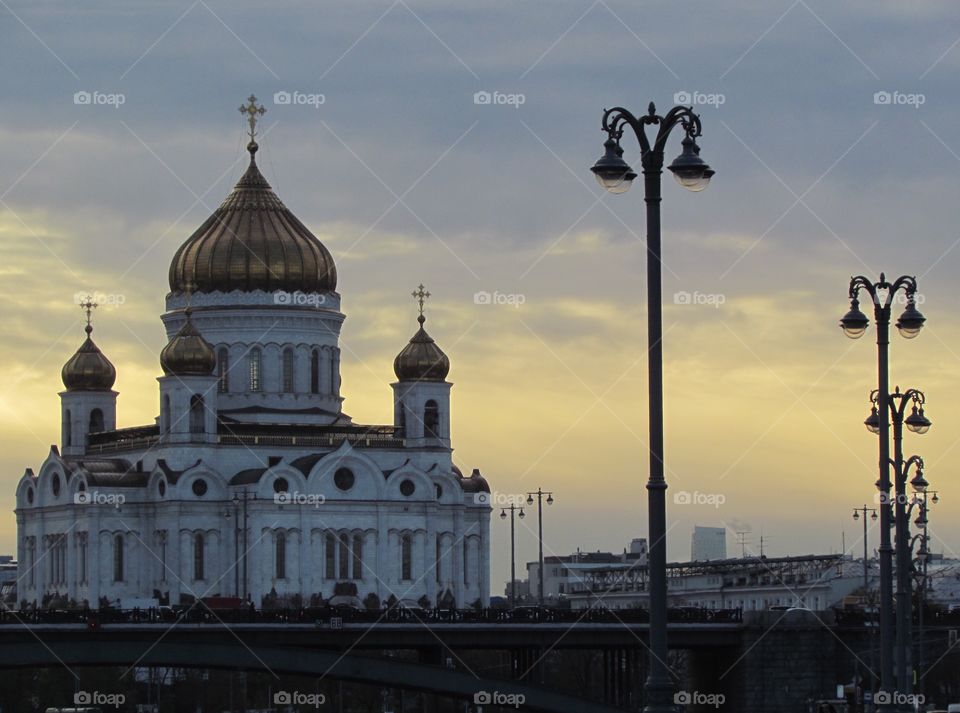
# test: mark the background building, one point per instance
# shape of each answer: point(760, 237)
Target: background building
point(708, 543)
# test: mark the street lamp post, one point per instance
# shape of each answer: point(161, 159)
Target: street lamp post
point(918, 423)
point(854, 324)
point(866, 572)
point(615, 175)
point(513, 556)
point(540, 493)
point(923, 557)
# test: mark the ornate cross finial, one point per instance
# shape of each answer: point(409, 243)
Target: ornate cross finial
point(88, 305)
point(421, 296)
point(252, 112)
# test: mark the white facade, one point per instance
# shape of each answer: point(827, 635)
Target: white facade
point(252, 480)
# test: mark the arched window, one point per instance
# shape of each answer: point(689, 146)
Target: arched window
point(197, 414)
point(67, 429)
point(431, 419)
point(330, 555)
point(358, 556)
point(287, 375)
point(96, 420)
point(406, 558)
point(118, 558)
point(254, 360)
point(223, 370)
point(281, 556)
point(344, 568)
point(198, 556)
point(402, 418)
point(315, 372)
point(165, 413)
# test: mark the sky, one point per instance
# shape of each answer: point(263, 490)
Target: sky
point(830, 127)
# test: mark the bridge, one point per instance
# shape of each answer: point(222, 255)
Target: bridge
point(746, 660)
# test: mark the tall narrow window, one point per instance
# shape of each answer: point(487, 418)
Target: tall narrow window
point(439, 559)
point(254, 360)
point(358, 556)
point(67, 429)
point(406, 558)
point(315, 371)
point(197, 414)
point(334, 386)
point(466, 562)
point(165, 413)
point(96, 420)
point(330, 545)
point(431, 419)
point(31, 548)
point(281, 556)
point(82, 557)
point(287, 370)
point(162, 536)
point(118, 558)
point(198, 556)
point(223, 370)
point(344, 568)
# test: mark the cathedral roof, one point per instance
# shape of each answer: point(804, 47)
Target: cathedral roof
point(252, 242)
point(188, 353)
point(88, 369)
point(421, 359)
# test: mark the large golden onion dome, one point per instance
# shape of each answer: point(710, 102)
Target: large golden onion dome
point(421, 359)
point(252, 242)
point(88, 369)
point(188, 353)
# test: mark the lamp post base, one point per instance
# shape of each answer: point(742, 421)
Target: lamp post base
point(660, 698)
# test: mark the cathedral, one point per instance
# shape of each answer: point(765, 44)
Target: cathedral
point(252, 482)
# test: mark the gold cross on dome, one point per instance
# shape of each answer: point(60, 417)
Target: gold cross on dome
point(88, 305)
point(252, 111)
point(421, 295)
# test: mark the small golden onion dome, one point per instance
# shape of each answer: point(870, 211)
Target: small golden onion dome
point(252, 242)
point(188, 353)
point(421, 359)
point(88, 369)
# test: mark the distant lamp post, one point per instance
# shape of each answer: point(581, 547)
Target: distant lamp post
point(866, 567)
point(616, 176)
point(540, 493)
point(854, 325)
point(918, 423)
point(514, 510)
point(921, 499)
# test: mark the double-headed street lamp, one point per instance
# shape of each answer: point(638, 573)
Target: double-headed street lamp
point(854, 324)
point(514, 510)
point(540, 493)
point(922, 499)
point(616, 176)
point(917, 422)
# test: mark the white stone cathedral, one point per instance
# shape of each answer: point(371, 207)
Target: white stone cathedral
point(252, 482)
